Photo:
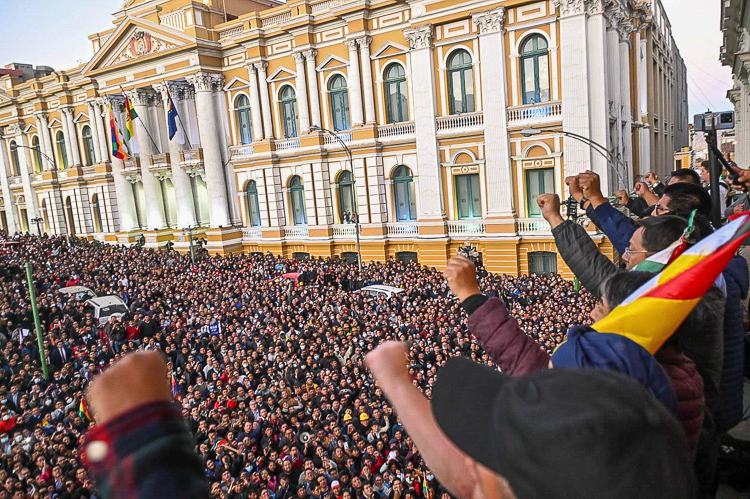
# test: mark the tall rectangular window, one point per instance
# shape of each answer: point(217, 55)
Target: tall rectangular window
point(540, 181)
point(468, 197)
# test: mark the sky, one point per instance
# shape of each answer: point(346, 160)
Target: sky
point(55, 33)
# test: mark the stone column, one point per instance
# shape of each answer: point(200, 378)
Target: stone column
point(24, 155)
point(262, 66)
point(96, 124)
point(364, 47)
point(209, 128)
point(497, 143)
point(312, 82)
point(626, 115)
point(255, 103)
point(105, 141)
point(304, 112)
point(42, 123)
point(74, 150)
point(66, 136)
point(141, 101)
point(355, 87)
point(431, 205)
point(10, 207)
point(599, 91)
point(126, 212)
point(612, 38)
point(180, 179)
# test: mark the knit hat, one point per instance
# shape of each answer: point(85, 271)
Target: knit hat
point(587, 349)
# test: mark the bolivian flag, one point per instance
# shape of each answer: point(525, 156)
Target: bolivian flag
point(652, 314)
point(130, 115)
point(118, 150)
point(83, 410)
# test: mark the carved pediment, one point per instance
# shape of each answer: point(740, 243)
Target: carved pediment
point(134, 39)
point(282, 74)
point(332, 62)
point(389, 49)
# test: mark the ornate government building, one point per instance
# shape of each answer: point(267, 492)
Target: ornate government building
point(429, 97)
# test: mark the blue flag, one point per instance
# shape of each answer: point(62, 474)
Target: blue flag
point(171, 116)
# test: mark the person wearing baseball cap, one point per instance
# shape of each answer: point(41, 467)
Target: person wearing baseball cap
point(559, 433)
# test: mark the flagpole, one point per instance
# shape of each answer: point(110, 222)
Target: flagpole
point(158, 149)
point(37, 325)
point(184, 131)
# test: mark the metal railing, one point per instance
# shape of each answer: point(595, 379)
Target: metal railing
point(174, 20)
point(231, 32)
point(535, 112)
point(296, 231)
point(396, 129)
point(287, 144)
point(458, 228)
point(402, 229)
point(459, 121)
point(277, 19)
point(251, 233)
point(533, 227)
point(241, 151)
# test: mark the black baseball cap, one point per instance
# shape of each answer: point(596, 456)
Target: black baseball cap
point(564, 433)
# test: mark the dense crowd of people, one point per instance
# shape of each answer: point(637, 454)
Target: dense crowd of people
point(270, 374)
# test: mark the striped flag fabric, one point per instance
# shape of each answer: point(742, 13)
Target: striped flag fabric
point(652, 314)
point(130, 115)
point(171, 116)
point(83, 410)
point(118, 150)
point(176, 389)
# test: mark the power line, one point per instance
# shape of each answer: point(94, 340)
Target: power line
point(711, 106)
point(707, 73)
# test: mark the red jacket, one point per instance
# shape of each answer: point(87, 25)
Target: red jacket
point(134, 332)
point(517, 354)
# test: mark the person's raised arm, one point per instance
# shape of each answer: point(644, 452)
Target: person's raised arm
point(642, 189)
point(388, 364)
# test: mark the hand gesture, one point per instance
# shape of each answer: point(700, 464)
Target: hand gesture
point(622, 197)
point(461, 275)
point(574, 187)
point(738, 209)
point(388, 364)
point(590, 184)
point(550, 205)
point(641, 188)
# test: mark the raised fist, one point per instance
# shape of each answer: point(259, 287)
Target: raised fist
point(590, 184)
point(550, 205)
point(574, 187)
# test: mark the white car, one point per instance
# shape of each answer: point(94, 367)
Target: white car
point(79, 293)
point(378, 290)
point(105, 307)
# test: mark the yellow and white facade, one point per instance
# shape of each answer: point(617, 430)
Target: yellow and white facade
point(429, 96)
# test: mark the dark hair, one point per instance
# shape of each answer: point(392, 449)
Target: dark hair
point(660, 232)
point(617, 287)
point(684, 198)
point(687, 175)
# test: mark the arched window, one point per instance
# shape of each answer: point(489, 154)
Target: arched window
point(88, 143)
point(468, 197)
point(243, 120)
point(62, 154)
point(15, 162)
point(395, 94)
point(339, 103)
point(297, 194)
point(97, 212)
point(38, 163)
point(289, 111)
point(346, 197)
point(535, 70)
point(403, 193)
point(461, 82)
point(253, 208)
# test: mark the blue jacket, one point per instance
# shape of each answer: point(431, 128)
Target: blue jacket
point(729, 408)
point(617, 227)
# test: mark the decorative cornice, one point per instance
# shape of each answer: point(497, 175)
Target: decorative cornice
point(177, 90)
point(490, 21)
point(141, 97)
point(570, 7)
point(419, 38)
point(205, 82)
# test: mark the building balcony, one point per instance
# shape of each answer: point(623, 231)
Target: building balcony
point(330, 140)
point(458, 228)
point(15, 180)
point(400, 229)
point(396, 131)
point(159, 162)
point(296, 232)
point(533, 114)
point(460, 123)
point(533, 227)
point(251, 234)
point(344, 231)
point(240, 152)
point(287, 144)
point(131, 166)
point(231, 32)
point(326, 5)
point(190, 158)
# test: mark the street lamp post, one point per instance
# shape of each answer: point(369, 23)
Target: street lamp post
point(603, 151)
point(316, 128)
point(38, 221)
point(189, 231)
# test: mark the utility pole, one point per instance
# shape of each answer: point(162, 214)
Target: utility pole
point(37, 325)
point(189, 231)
